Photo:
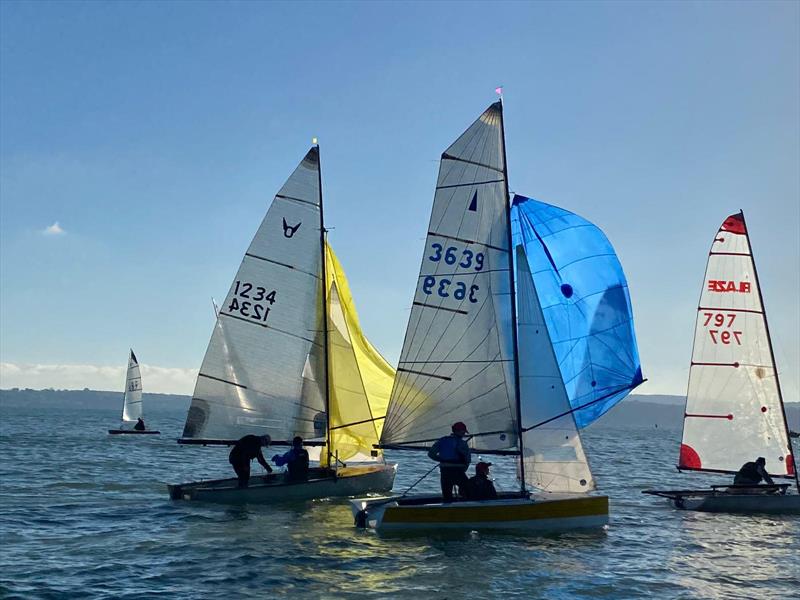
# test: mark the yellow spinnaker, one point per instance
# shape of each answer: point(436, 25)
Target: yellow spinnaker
point(360, 378)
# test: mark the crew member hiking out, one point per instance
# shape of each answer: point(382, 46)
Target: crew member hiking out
point(296, 460)
point(752, 473)
point(480, 486)
point(245, 450)
point(453, 455)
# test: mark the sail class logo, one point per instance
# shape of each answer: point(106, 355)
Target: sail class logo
point(288, 230)
point(721, 285)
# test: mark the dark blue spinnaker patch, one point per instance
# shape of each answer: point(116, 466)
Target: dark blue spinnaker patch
point(587, 308)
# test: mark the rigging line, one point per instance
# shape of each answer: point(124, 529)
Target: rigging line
point(371, 420)
point(581, 407)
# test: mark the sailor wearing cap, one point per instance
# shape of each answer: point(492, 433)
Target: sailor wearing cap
point(480, 486)
point(453, 455)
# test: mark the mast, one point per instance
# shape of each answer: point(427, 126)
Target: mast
point(772, 354)
point(322, 233)
point(513, 296)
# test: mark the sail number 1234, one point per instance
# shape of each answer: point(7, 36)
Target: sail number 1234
point(251, 301)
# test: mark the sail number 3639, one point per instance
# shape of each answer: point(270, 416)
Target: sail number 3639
point(251, 301)
point(722, 334)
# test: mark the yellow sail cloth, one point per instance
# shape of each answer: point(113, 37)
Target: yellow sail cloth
point(360, 378)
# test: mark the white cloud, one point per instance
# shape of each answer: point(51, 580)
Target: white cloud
point(54, 229)
point(163, 380)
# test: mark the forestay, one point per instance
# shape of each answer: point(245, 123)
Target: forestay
point(457, 358)
point(132, 403)
point(552, 450)
point(361, 379)
point(586, 305)
point(251, 379)
point(733, 406)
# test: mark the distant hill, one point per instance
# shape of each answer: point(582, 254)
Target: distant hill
point(635, 411)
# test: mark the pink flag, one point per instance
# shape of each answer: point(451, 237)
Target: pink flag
point(499, 90)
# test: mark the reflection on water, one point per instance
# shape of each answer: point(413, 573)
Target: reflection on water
point(86, 513)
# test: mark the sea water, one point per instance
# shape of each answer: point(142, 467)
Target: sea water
point(86, 515)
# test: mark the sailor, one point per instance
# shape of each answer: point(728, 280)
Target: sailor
point(295, 459)
point(245, 450)
point(139, 425)
point(453, 455)
point(752, 473)
point(480, 486)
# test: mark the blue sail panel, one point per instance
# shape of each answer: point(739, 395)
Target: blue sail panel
point(587, 308)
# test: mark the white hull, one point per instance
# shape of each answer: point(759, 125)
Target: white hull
point(540, 512)
point(773, 504)
point(347, 482)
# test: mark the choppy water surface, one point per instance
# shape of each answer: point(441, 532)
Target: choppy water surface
point(85, 514)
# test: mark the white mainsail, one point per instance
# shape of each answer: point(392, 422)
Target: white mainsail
point(734, 411)
point(552, 451)
point(132, 402)
point(457, 361)
point(268, 326)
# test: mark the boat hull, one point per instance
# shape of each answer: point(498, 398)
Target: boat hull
point(539, 512)
point(322, 483)
point(775, 504)
point(132, 432)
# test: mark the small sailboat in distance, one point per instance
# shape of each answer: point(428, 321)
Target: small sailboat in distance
point(287, 358)
point(132, 411)
point(734, 405)
point(479, 348)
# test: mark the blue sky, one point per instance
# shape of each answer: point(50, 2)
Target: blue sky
point(156, 134)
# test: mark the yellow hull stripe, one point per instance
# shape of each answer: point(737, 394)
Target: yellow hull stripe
point(494, 512)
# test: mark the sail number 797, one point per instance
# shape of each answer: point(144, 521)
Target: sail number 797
point(722, 332)
point(251, 301)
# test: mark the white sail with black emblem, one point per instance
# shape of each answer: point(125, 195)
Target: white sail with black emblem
point(267, 331)
point(132, 403)
point(457, 362)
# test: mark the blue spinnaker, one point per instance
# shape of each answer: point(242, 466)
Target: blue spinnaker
point(584, 297)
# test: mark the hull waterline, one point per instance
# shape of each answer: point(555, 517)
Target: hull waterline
point(539, 512)
point(132, 432)
point(322, 483)
point(720, 501)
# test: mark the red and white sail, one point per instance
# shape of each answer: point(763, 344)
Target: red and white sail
point(734, 411)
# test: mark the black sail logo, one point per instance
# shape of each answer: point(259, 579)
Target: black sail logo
point(288, 230)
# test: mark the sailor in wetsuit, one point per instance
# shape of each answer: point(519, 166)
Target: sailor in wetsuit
point(245, 450)
point(139, 425)
point(752, 473)
point(296, 460)
point(453, 455)
point(480, 486)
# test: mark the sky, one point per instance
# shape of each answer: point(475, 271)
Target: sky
point(141, 144)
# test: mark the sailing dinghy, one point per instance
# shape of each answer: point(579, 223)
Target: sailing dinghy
point(734, 406)
point(132, 400)
point(287, 357)
point(481, 347)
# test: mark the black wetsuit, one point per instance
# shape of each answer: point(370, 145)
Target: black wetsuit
point(139, 425)
point(481, 488)
point(752, 473)
point(245, 450)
